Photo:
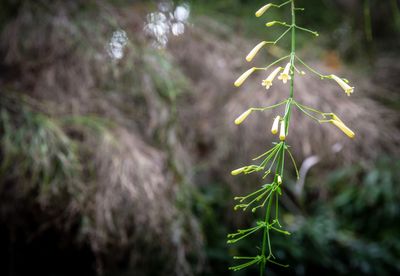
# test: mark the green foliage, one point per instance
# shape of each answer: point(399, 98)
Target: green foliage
point(43, 155)
point(169, 81)
point(36, 151)
point(352, 230)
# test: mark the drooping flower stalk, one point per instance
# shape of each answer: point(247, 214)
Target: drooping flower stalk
point(273, 160)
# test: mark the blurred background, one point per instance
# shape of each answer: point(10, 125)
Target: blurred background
point(117, 137)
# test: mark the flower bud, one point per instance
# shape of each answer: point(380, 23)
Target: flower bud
point(282, 133)
point(343, 128)
point(243, 116)
point(238, 171)
point(244, 76)
point(262, 10)
point(255, 50)
point(279, 180)
point(275, 125)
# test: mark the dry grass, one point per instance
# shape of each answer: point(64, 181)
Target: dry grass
point(116, 117)
point(124, 135)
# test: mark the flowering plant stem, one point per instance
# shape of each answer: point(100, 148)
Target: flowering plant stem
point(274, 158)
point(281, 155)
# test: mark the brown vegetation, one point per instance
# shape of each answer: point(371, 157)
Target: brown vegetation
point(116, 141)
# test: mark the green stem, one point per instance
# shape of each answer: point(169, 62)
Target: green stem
point(266, 239)
point(367, 20)
point(313, 70)
point(396, 14)
point(292, 68)
point(293, 49)
point(279, 168)
point(273, 63)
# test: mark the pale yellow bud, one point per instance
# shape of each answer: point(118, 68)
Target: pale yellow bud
point(282, 133)
point(242, 117)
point(244, 76)
point(285, 75)
point(275, 125)
point(347, 88)
point(268, 81)
point(279, 180)
point(262, 10)
point(343, 128)
point(238, 171)
point(255, 50)
point(270, 24)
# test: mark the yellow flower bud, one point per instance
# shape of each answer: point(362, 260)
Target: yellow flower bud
point(244, 76)
point(255, 50)
point(238, 171)
point(285, 75)
point(270, 24)
point(262, 10)
point(279, 180)
point(347, 88)
point(275, 125)
point(242, 117)
point(268, 81)
point(282, 133)
point(343, 128)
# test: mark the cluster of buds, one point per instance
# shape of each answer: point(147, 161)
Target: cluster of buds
point(275, 127)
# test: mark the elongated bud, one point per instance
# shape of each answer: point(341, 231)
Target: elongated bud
point(238, 171)
point(242, 117)
point(279, 180)
point(347, 88)
point(275, 125)
point(343, 128)
point(270, 24)
point(244, 76)
point(255, 50)
point(282, 133)
point(262, 10)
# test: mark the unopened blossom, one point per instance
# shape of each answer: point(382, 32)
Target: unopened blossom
point(243, 116)
point(244, 76)
point(255, 50)
point(275, 125)
point(282, 133)
point(262, 10)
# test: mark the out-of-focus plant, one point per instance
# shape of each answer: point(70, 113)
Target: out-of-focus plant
point(36, 150)
point(355, 231)
point(273, 160)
